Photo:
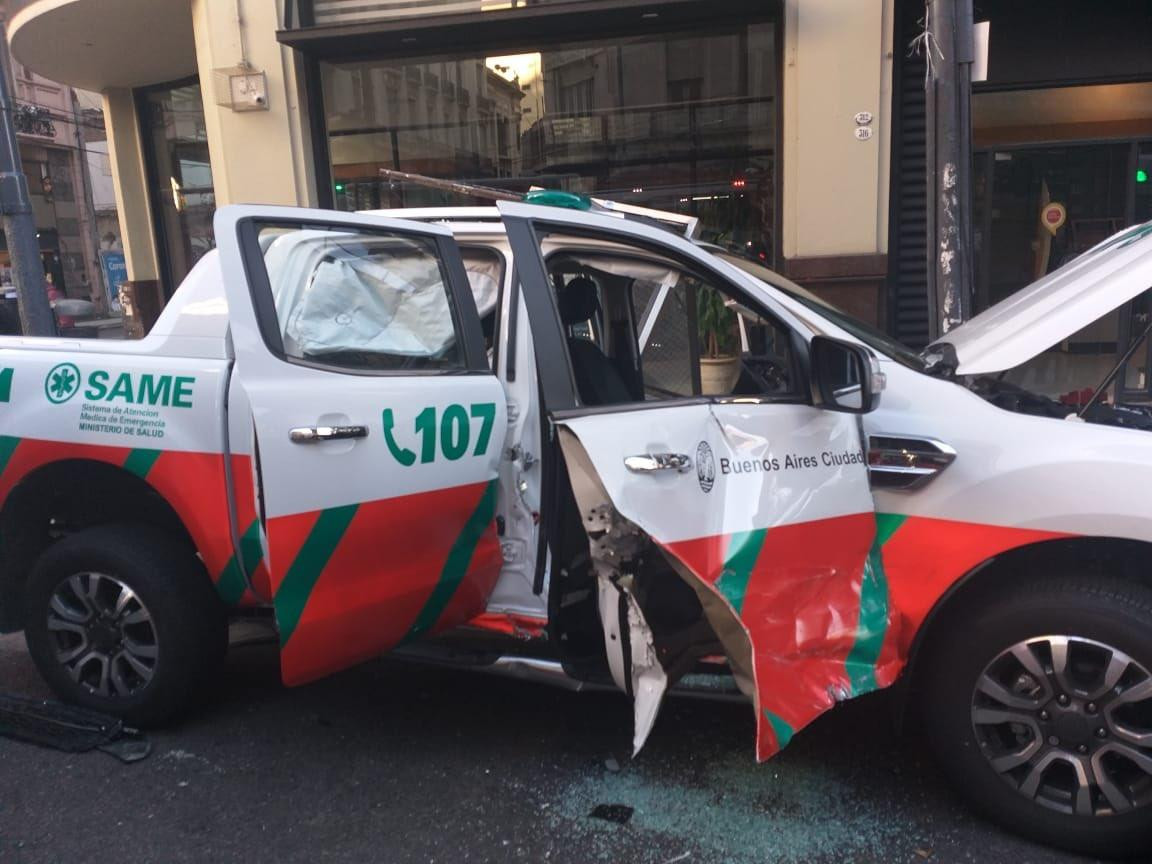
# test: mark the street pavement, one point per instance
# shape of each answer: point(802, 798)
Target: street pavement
point(392, 762)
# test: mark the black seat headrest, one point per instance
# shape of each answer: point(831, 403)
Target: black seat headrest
point(578, 301)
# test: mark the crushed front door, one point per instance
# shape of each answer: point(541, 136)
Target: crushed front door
point(378, 427)
point(760, 503)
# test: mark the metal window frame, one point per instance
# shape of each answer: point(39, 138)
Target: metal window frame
point(160, 235)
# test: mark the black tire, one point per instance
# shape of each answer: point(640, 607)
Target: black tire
point(184, 623)
point(1108, 611)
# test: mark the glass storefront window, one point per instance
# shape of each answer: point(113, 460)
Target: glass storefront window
point(681, 122)
point(180, 176)
point(1143, 183)
point(1012, 187)
point(1103, 187)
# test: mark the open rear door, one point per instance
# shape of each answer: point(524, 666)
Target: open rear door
point(757, 499)
point(378, 427)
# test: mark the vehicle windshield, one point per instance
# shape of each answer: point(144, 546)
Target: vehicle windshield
point(866, 333)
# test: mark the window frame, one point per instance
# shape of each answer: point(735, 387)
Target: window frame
point(161, 236)
point(462, 306)
point(457, 38)
point(498, 325)
point(662, 256)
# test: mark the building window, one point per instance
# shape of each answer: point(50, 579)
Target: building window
point(1012, 188)
point(575, 98)
point(684, 122)
point(1097, 188)
point(179, 176)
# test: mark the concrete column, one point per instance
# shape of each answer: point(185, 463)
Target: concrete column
point(258, 157)
point(131, 184)
point(837, 63)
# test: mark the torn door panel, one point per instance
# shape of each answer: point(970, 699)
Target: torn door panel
point(816, 629)
point(616, 546)
point(773, 528)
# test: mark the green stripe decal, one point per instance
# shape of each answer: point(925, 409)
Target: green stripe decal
point(455, 568)
point(6, 384)
point(233, 579)
point(888, 524)
point(310, 562)
point(231, 584)
point(140, 462)
point(743, 550)
point(251, 550)
point(872, 625)
point(8, 444)
point(783, 731)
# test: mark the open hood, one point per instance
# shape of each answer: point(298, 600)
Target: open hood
point(1051, 309)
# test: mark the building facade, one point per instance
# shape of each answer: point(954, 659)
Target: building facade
point(52, 131)
point(735, 113)
point(794, 129)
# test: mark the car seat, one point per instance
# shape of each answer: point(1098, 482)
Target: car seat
point(598, 381)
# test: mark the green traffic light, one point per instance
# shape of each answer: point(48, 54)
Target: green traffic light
point(1141, 175)
point(339, 187)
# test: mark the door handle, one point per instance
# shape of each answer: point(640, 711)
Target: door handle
point(312, 434)
point(650, 462)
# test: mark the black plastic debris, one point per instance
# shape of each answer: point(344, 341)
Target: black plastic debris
point(618, 813)
point(70, 729)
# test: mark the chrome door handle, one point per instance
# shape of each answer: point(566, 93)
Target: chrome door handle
point(312, 434)
point(650, 462)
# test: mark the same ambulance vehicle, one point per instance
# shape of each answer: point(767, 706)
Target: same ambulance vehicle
point(572, 446)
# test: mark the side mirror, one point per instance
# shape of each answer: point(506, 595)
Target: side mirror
point(845, 376)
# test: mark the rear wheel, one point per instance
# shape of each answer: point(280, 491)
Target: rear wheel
point(123, 619)
point(1040, 709)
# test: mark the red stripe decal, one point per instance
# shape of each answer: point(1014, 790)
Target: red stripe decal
point(389, 560)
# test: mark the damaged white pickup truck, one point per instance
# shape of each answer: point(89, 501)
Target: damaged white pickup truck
point(575, 446)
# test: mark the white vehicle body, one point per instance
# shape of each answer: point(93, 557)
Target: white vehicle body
point(372, 505)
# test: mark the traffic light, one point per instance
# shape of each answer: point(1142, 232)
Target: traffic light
point(1141, 175)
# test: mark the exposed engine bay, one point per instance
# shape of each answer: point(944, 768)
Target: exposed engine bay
point(1012, 397)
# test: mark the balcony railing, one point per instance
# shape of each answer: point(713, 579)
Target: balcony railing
point(33, 120)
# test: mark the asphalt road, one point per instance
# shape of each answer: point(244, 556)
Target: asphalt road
point(395, 763)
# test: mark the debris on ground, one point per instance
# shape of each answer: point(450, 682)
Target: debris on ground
point(70, 729)
point(621, 814)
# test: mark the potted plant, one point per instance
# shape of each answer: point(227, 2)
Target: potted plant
point(719, 355)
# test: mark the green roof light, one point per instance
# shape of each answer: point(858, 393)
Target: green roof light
point(557, 198)
point(1141, 175)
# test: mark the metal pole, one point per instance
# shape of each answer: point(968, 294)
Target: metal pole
point(88, 207)
point(949, 164)
point(450, 185)
point(19, 223)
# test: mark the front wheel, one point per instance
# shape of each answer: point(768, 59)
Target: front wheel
point(123, 619)
point(1040, 710)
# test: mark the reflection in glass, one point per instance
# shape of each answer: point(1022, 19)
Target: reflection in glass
point(180, 175)
point(682, 122)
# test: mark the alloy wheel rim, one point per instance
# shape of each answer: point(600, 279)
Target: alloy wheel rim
point(1067, 722)
point(103, 635)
